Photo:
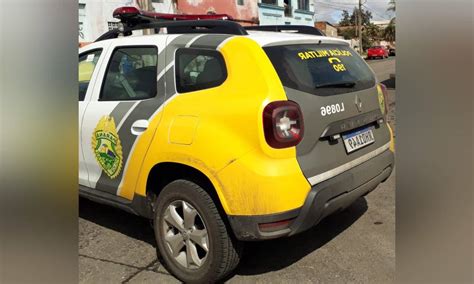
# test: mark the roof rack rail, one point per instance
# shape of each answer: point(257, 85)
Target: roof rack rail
point(288, 29)
point(181, 27)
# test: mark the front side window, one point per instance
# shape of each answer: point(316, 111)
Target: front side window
point(87, 63)
point(198, 69)
point(131, 74)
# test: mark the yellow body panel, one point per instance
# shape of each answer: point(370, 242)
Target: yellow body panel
point(227, 143)
point(392, 140)
point(261, 185)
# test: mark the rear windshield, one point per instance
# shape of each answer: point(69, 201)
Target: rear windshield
point(321, 69)
point(375, 47)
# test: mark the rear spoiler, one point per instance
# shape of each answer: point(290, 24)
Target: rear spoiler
point(288, 29)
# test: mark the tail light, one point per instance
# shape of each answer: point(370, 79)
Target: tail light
point(283, 124)
point(383, 100)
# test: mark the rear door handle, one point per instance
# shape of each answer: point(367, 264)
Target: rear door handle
point(139, 126)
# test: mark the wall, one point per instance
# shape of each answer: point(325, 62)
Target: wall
point(95, 15)
point(326, 28)
point(245, 14)
point(331, 31)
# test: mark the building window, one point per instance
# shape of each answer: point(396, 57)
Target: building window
point(82, 10)
point(303, 5)
point(157, 1)
point(113, 25)
point(288, 8)
point(240, 2)
point(272, 2)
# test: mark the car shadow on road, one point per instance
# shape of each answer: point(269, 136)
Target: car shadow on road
point(115, 219)
point(259, 257)
point(272, 255)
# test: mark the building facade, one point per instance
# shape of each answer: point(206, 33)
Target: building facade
point(327, 28)
point(95, 16)
point(244, 12)
point(286, 12)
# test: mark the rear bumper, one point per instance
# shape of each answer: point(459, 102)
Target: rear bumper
point(325, 198)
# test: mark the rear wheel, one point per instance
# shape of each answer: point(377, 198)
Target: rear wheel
point(193, 241)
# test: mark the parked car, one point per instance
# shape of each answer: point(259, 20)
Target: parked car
point(377, 52)
point(391, 51)
point(222, 136)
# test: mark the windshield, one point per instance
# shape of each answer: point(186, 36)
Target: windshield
point(320, 69)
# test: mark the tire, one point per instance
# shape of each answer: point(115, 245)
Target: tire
point(224, 251)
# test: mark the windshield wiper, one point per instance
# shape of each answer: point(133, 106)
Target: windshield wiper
point(346, 84)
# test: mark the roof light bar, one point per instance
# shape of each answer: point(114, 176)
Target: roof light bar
point(132, 16)
point(181, 27)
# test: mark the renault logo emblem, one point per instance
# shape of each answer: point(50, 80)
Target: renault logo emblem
point(358, 103)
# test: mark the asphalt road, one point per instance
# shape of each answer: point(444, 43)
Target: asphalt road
point(356, 245)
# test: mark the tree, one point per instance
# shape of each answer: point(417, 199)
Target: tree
point(369, 30)
point(350, 20)
point(346, 19)
point(347, 33)
point(391, 6)
point(373, 31)
point(389, 32)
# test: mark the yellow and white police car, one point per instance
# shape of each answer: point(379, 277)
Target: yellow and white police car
point(221, 134)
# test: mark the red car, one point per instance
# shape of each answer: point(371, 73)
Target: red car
point(377, 51)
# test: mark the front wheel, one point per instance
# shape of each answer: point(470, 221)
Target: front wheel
point(193, 241)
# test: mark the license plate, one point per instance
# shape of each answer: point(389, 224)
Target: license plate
point(358, 139)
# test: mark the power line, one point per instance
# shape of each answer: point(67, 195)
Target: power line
point(341, 6)
point(336, 7)
point(337, 3)
point(375, 12)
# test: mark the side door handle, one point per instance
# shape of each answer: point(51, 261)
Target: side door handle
point(139, 126)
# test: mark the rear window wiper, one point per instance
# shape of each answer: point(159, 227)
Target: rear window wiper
point(347, 84)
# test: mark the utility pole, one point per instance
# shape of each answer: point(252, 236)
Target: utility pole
point(146, 6)
point(360, 27)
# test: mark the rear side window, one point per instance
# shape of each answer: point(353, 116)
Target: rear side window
point(321, 69)
point(131, 74)
point(198, 69)
point(87, 63)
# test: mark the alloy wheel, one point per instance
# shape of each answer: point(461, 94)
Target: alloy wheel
point(185, 234)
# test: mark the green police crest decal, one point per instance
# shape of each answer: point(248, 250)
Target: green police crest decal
point(106, 146)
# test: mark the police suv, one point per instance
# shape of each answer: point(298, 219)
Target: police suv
point(221, 134)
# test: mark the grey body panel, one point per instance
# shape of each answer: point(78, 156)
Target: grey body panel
point(316, 154)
